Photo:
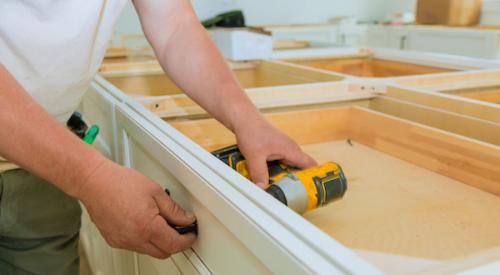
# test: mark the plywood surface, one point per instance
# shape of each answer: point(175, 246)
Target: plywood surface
point(260, 74)
point(368, 67)
point(487, 94)
point(395, 207)
point(413, 190)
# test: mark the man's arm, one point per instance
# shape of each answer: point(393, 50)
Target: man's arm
point(189, 57)
point(128, 208)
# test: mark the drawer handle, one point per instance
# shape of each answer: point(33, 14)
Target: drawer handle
point(182, 230)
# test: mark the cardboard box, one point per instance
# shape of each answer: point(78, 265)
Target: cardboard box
point(449, 12)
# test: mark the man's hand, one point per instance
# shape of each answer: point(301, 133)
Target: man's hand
point(260, 142)
point(132, 211)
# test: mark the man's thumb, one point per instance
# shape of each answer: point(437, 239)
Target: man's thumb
point(172, 212)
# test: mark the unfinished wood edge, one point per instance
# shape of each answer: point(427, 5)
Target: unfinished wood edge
point(474, 108)
point(323, 75)
point(452, 169)
point(473, 127)
point(264, 99)
point(449, 76)
point(362, 53)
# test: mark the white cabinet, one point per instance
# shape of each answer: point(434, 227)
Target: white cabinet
point(242, 229)
point(398, 38)
point(468, 42)
point(354, 35)
point(377, 36)
point(471, 42)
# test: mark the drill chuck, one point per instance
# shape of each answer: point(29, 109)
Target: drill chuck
point(305, 190)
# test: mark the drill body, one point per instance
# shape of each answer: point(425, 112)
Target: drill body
point(301, 190)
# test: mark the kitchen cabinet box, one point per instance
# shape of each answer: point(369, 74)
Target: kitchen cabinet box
point(480, 85)
point(476, 42)
point(418, 196)
point(251, 75)
point(382, 64)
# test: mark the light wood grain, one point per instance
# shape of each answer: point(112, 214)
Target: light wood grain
point(469, 126)
point(268, 99)
point(467, 160)
point(395, 207)
point(259, 74)
point(462, 80)
point(406, 181)
point(446, 103)
point(487, 94)
point(369, 67)
point(290, 44)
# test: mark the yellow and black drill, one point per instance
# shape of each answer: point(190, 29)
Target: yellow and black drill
point(301, 190)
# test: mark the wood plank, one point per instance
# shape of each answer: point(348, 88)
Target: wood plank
point(395, 207)
point(266, 99)
point(457, 105)
point(369, 67)
point(477, 128)
point(482, 93)
point(469, 161)
point(254, 75)
point(453, 81)
point(290, 44)
point(317, 126)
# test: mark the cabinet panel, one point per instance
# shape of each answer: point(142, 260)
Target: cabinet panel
point(468, 43)
point(231, 225)
point(377, 36)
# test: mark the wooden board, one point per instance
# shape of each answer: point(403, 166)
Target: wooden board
point(406, 194)
point(270, 99)
point(477, 109)
point(454, 81)
point(395, 207)
point(487, 94)
point(466, 125)
point(369, 67)
point(469, 161)
point(259, 74)
point(290, 44)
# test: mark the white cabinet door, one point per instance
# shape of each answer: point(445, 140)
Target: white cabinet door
point(352, 35)
point(98, 107)
point(399, 38)
point(377, 36)
point(467, 42)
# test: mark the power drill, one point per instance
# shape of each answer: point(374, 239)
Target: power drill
point(301, 190)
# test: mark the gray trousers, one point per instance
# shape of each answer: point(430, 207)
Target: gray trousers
point(39, 226)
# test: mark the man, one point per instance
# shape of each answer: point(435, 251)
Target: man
point(49, 52)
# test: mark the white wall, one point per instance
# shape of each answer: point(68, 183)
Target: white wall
point(259, 12)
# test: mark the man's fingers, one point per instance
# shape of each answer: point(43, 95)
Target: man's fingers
point(172, 212)
point(167, 239)
point(257, 167)
point(299, 159)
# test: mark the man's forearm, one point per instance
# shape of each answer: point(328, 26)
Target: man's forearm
point(31, 138)
point(195, 64)
point(188, 55)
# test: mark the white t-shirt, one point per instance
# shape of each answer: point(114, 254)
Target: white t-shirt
point(54, 47)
